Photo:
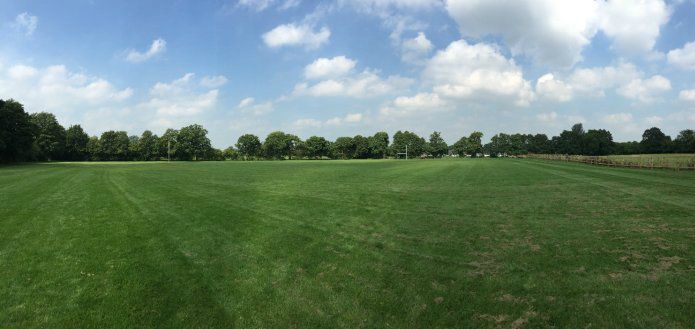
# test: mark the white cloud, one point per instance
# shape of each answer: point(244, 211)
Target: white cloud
point(645, 90)
point(213, 81)
point(56, 89)
point(158, 46)
point(179, 98)
point(594, 81)
point(421, 103)
point(467, 71)
point(361, 85)
point(26, 23)
point(654, 120)
point(683, 57)
point(617, 118)
point(554, 32)
point(261, 5)
point(379, 6)
point(549, 117)
point(21, 72)
point(416, 49)
point(296, 35)
point(248, 105)
point(633, 25)
point(349, 118)
point(687, 95)
point(323, 68)
point(551, 32)
point(257, 5)
point(549, 87)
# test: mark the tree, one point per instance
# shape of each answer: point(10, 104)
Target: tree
point(276, 145)
point(361, 144)
point(192, 143)
point(571, 141)
point(343, 148)
point(295, 146)
point(148, 146)
point(16, 132)
point(133, 148)
point(416, 144)
point(475, 144)
point(93, 148)
point(317, 147)
point(249, 146)
point(379, 145)
point(655, 141)
point(460, 147)
point(168, 143)
point(685, 142)
point(50, 136)
point(230, 153)
point(598, 142)
point(113, 145)
point(437, 145)
point(76, 143)
point(539, 144)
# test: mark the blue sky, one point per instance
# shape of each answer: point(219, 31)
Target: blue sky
point(335, 68)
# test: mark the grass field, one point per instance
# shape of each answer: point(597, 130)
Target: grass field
point(474, 243)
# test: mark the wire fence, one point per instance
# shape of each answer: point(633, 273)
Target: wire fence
point(642, 162)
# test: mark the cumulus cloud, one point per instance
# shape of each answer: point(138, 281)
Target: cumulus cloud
point(248, 105)
point(549, 87)
point(323, 68)
point(57, 89)
point(687, 95)
point(645, 90)
point(624, 78)
point(416, 49)
point(633, 25)
point(552, 32)
point(360, 85)
point(419, 104)
point(261, 5)
point(213, 81)
point(296, 35)
point(555, 32)
point(157, 47)
point(349, 118)
point(26, 23)
point(683, 57)
point(179, 98)
point(617, 118)
point(465, 71)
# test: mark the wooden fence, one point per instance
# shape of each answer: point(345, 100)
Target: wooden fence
point(642, 163)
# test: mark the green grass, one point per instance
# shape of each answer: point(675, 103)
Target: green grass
point(406, 244)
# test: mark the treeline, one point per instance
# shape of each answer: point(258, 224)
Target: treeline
point(40, 137)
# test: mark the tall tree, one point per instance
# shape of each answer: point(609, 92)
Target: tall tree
point(598, 142)
point(50, 136)
point(655, 141)
point(133, 147)
point(343, 148)
point(475, 144)
point(94, 148)
point(76, 143)
point(361, 147)
point(249, 146)
point(148, 146)
point(276, 145)
point(379, 145)
point(192, 143)
point(317, 147)
point(416, 144)
point(437, 145)
point(168, 143)
point(685, 141)
point(16, 132)
point(114, 145)
point(460, 147)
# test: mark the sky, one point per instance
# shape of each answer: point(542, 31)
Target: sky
point(348, 67)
